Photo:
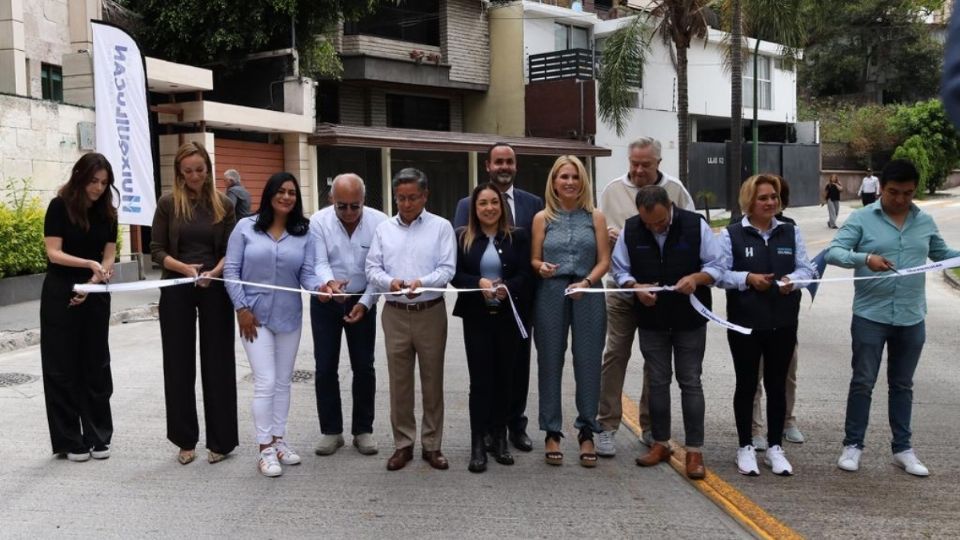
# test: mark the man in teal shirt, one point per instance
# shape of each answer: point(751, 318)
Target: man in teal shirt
point(888, 234)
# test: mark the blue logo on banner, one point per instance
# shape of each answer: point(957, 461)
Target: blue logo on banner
point(128, 202)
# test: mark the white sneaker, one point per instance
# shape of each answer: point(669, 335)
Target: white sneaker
point(606, 444)
point(78, 458)
point(908, 461)
point(747, 461)
point(793, 434)
point(850, 458)
point(329, 444)
point(365, 444)
point(760, 442)
point(646, 439)
point(778, 461)
point(286, 455)
point(269, 464)
point(102, 453)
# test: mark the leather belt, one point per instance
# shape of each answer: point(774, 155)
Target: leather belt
point(415, 306)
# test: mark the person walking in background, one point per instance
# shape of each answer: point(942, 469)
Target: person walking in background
point(869, 187)
point(341, 237)
point(80, 237)
point(760, 251)
point(569, 250)
point(190, 232)
point(831, 197)
point(237, 194)
point(887, 313)
point(490, 252)
point(272, 248)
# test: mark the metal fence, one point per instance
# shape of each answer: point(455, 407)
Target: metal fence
point(566, 64)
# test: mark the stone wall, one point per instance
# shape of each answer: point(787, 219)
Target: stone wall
point(47, 37)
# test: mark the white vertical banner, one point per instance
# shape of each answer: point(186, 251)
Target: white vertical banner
point(123, 127)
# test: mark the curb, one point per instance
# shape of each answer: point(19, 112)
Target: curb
point(21, 339)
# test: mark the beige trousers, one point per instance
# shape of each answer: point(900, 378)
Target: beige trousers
point(621, 328)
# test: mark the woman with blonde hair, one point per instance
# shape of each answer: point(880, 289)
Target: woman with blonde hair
point(570, 249)
point(191, 228)
point(761, 251)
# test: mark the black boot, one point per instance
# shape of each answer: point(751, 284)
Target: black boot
point(500, 450)
point(478, 455)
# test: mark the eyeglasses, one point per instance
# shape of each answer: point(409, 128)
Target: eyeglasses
point(352, 206)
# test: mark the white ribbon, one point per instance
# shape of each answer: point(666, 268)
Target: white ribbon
point(945, 264)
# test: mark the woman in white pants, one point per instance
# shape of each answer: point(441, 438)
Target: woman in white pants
point(271, 248)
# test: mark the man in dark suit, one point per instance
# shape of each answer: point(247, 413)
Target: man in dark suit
point(501, 165)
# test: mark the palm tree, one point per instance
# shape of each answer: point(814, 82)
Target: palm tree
point(736, 111)
point(677, 22)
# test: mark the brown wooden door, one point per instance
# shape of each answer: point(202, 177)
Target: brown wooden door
point(255, 161)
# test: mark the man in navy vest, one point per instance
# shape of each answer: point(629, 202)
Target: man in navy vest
point(501, 165)
point(667, 246)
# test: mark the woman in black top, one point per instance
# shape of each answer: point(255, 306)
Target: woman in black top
point(831, 196)
point(490, 252)
point(80, 236)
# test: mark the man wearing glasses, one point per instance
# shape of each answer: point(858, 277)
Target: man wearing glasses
point(342, 233)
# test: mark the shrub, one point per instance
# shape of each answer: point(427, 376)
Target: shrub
point(21, 232)
point(928, 122)
point(915, 150)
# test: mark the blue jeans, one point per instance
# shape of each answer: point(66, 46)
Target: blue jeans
point(904, 344)
point(326, 321)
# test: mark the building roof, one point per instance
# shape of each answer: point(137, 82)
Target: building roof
point(446, 141)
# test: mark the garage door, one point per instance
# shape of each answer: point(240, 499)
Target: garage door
point(255, 161)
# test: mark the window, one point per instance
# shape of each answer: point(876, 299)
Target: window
point(570, 37)
point(416, 112)
point(417, 21)
point(51, 82)
point(764, 86)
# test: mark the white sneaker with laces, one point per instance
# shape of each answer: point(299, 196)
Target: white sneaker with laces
point(760, 442)
point(747, 461)
point(365, 444)
point(286, 454)
point(607, 444)
point(268, 463)
point(850, 458)
point(793, 434)
point(778, 461)
point(908, 461)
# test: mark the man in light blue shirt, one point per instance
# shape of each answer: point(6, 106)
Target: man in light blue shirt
point(411, 250)
point(888, 234)
point(341, 235)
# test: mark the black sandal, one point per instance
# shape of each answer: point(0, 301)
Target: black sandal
point(555, 457)
point(587, 459)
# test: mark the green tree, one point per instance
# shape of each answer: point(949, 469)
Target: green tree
point(880, 50)
point(223, 31)
point(927, 125)
point(915, 151)
point(677, 23)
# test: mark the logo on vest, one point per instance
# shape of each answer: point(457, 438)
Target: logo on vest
point(785, 251)
point(748, 252)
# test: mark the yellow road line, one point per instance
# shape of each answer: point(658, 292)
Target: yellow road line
point(754, 518)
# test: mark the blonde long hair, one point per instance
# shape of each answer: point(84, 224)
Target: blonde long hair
point(209, 197)
point(584, 198)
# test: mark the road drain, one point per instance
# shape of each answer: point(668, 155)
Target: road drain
point(14, 379)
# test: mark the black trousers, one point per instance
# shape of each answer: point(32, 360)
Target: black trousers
point(868, 198)
point(180, 306)
point(75, 360)
point(776, 347)
point(493, 347)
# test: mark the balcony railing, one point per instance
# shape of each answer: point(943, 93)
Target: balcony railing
point(567, 64)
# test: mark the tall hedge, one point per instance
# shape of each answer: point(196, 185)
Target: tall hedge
point(21, 232)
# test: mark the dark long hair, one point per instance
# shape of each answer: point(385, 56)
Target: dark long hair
point(74, 192)
point(472, 231)
point(297, 223)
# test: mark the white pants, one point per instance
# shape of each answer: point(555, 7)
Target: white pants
point(272, 357)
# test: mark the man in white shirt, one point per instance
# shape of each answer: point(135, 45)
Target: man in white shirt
point(341, 235)
point(617, 202)
point(411, 250)
point(869, 187)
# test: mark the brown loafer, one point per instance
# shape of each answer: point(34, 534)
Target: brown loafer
point(400, 458)
point(436, 459)
point(695, 469)
point(658, 454)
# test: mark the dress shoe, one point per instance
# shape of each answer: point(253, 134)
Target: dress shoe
point(695, 469)
point(478, 455)
point(435, 459)
point(521, 441)
point(658, 454)
point(400, 458)
point(500, 451)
